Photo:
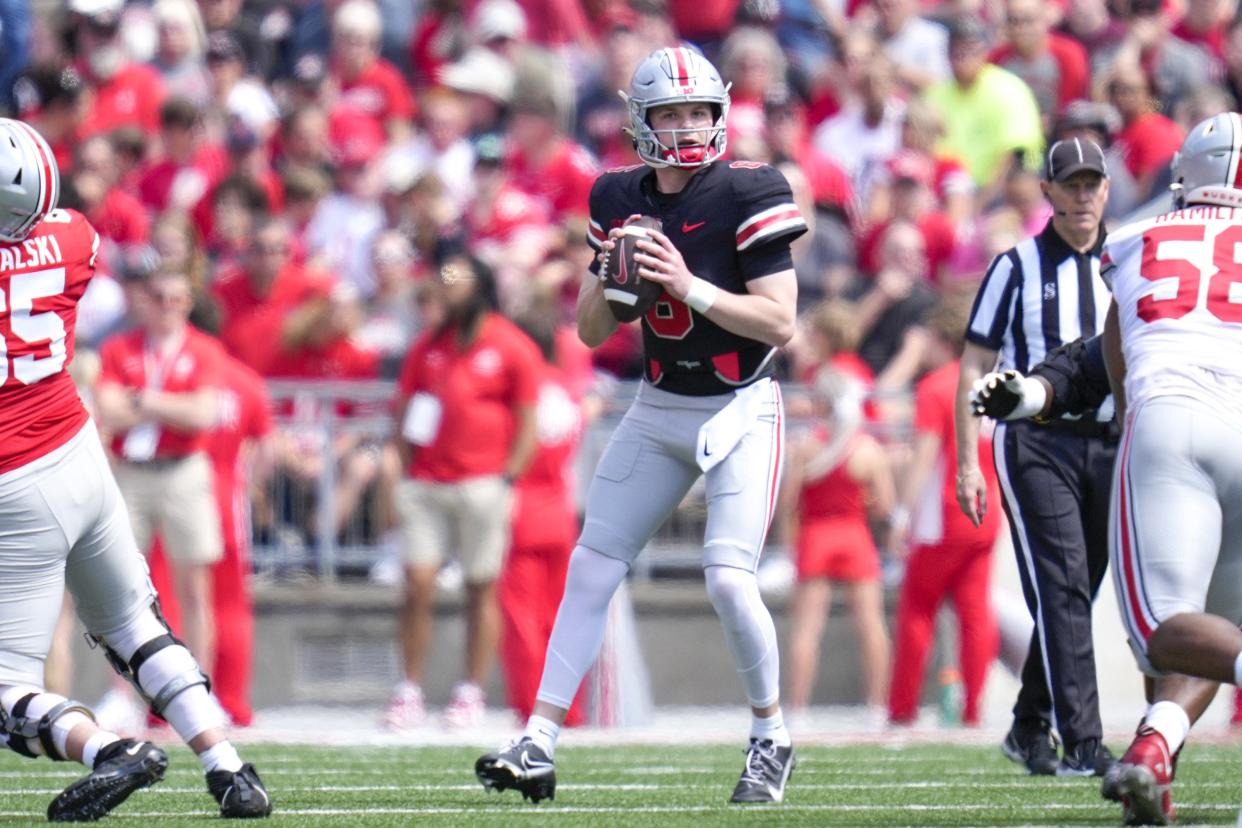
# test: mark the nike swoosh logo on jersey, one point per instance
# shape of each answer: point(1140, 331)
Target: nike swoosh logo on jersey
point(687, 227)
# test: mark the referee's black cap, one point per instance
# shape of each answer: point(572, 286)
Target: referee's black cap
point(1074, 155)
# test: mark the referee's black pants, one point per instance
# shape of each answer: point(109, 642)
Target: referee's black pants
point(1055, 485)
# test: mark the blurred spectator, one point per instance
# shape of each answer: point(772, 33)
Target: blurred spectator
point(391, 318)
point(1204, 23)
point(439, 38)
point(127, 93)
point(990, 114)
point(113, 211)
point(918, 48)
point(544, 524)
point(236, 96)
point(891, 312)
point(1091, 23)
point(240, 450)
point(157, 396)
point(189, 166)
point(366, 83)
point(838, 477)
point(1233, 59)
point(827, 245)
point(305, 140)
point(305, 187)
point(264, 303)
point(424, 213)
point(510, 229)
point(911, 176)
point(180, 50)
point(499, 26)
point(339, 235)
point(752, 61)
point(1173, 66)
point(50, 98)
point(543, 160)
point(178, 246)
point(236, 206)
point(1202, 103)
point(1023, 195)
point(440, 145)
point(1147, 140)
point(487, 81)
point(867, 130)
point(948, 555)
point(466, 409)
point(1053, 65)
point(954, 189)
point(257, 28)
point(15, 31)
point(706, 24)
point(601, 113)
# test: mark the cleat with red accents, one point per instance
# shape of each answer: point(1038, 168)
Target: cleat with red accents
point(1144, 779)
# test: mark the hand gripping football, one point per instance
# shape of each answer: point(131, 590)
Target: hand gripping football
point(628, 296)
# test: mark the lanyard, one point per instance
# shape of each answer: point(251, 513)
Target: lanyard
point(157, 367)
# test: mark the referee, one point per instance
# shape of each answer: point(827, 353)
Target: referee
point(1055, 475)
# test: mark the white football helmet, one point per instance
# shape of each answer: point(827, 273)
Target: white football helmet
point(671, 76)
point(29, 179)
point(1207, 169)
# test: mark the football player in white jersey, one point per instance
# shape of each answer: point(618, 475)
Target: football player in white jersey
point(1173, 346)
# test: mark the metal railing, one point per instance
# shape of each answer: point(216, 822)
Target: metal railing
point(326, 510)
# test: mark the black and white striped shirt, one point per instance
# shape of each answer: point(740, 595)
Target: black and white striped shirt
point(1038, 296)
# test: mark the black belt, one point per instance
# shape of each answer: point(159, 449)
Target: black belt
point(1094, 429)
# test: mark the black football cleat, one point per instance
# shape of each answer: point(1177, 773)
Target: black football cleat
point(1035, 748)
point(521, 766)
point(1090, 757)
point(768, 768)
point(241, 794)
point(120, 769)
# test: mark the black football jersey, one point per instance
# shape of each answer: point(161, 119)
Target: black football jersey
point(725, 224)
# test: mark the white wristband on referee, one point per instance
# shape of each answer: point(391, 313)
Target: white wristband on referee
point(702, 294)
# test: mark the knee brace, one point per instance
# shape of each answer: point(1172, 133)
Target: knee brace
point(147, 655)
point(35, 723)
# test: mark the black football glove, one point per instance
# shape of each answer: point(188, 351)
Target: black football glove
point(1007, 395)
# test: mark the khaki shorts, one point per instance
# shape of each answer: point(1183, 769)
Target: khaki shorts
point(175, 499)
point(468, 520)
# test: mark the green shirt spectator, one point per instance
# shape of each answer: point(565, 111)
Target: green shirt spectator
point(988, 112)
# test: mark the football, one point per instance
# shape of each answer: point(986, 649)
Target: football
point(628, 296)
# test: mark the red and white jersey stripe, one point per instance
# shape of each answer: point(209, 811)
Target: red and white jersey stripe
point(769, 224)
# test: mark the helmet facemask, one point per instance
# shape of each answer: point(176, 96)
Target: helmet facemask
point(677, 76)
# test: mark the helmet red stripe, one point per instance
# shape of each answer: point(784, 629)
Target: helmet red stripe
point(45, 169)
point(1236, 123)
point(683, 71)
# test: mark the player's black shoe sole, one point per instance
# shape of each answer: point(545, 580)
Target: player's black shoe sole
point(120, 769)
point(522, 766)
point(241, 794)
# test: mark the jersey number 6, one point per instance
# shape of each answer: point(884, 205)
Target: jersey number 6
point(1228, 272)
point(32, 328)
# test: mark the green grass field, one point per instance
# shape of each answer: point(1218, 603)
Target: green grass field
point(642, 786)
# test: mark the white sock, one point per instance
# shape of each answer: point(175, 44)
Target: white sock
point(773, 727)
point(95, 744)
point(193, 711)
point(1237, 670)
point(543, 732)
point(1170, 721)
point(220, 756)
point(62, 727)
point(579, 628)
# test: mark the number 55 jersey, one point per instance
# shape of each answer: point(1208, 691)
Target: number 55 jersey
point(1177, 281)
point(42, 278)
point(732, 223)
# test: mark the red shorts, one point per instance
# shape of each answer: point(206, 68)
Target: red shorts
point(839, 549)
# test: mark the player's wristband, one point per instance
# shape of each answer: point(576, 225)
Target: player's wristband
point(702, 294)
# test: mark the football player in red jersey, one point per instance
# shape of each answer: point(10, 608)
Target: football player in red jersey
point(66, 525)
point(708, 406)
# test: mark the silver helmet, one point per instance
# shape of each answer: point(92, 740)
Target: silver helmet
point(29, 179)
point(672, 76)
point(1208, 167)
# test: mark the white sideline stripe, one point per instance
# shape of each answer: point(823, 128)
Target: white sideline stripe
point(1020, 783)
point(548, 811)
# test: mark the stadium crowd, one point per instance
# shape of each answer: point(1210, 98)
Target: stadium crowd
point(311, 165)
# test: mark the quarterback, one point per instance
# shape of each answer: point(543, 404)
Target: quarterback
point(708, 404)
point(66, 525)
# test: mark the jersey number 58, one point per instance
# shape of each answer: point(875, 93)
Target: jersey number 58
point(1226, 272)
